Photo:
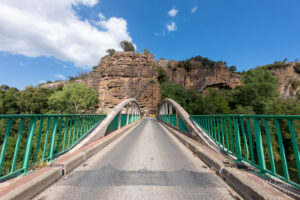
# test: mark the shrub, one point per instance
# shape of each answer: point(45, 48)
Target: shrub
point(232, 68)
point(127, 46)
point(111, 51)
point(162, 75)
point(297, 68)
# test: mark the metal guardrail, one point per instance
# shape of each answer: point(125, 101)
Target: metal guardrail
point(114, 124)
point(181, 125)
point(260, 140)
point(29, 140)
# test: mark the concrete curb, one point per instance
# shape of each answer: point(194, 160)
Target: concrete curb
point(41, 179)
point(246, 184)
point(26, 191)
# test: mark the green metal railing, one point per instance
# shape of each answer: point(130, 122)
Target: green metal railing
point(27, 140)
point(114, 124)
point(181, 125)
point(269, 143)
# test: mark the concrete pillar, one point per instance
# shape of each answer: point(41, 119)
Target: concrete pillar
point(177, 120)
point(127, 113)
point(170, 113)
point(119, 119)
point(131, 111)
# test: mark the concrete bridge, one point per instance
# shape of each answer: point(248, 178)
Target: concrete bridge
point(125, 156)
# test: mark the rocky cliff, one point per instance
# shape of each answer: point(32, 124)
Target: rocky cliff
point(126, 75)
point(131, 74)
point(289, 80)
point(200, 77)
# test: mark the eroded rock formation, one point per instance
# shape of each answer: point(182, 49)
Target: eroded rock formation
point(134, 75)
point(131, 74)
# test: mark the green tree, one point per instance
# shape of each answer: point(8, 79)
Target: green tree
point(194, 102)
point(259, 89)
point(74, 98)
point(8, 100)
point(175, 92)
point(232, 68)
point(111, 51)
point(146, 52)
point(127, 46)
point(34, 100)
point(215, 103)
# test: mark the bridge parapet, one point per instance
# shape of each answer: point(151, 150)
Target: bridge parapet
point(28, 142)
point(126, 112)
point(259, 141)
point(173, 114)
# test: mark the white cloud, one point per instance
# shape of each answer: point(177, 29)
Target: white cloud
point(173, 12)
point(42, 82)
point(171, 26)
point(22, 64)
point(194, 9)
point(60, 76)
point(52, 28)
point(65, 66)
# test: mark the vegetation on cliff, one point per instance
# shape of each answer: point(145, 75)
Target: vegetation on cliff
point(127, 46)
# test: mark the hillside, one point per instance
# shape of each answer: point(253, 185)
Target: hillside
point(132, 74)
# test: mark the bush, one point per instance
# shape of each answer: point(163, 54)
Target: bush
point(232, 68)
point(127, 46)
point(162, 75)
point(203, 60)
point(187, 65)
point(111, 51)
point(276, 65)
point(297, 68)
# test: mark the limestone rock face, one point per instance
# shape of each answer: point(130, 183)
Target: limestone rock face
point(201, 77)
point(134, 75)
point(289, 81)
point(126, 75)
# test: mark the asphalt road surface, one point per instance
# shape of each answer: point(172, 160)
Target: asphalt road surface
point(145, 163)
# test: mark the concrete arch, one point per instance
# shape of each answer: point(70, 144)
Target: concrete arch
point(195, 132)
point(130, 106)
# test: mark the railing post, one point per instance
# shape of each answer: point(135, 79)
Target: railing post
point(119, 119)
point(259, 146)
point(237, 139)
point(7, 133)
point(177, 120)
point(131, 112)
point(127, 114)
point(53, 137)
point(29, 143)
point(170, 113)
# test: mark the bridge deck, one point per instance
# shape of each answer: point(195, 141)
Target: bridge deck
point(146, 163)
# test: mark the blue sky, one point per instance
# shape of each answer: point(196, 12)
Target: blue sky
point(54, 39)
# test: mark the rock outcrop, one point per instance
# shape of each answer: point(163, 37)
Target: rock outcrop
point(201, 77)
point(289, 80)
point(126, 75)
point(131, 74)
point(134, 75)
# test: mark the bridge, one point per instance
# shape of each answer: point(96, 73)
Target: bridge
point(122, 155)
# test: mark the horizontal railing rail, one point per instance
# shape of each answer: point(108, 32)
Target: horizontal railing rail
point(267, 142)
point(28, 141)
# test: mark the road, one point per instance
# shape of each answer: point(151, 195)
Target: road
point(145, 163)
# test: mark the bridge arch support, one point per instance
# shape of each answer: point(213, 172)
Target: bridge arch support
point(174, 115)
point(124, 113)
